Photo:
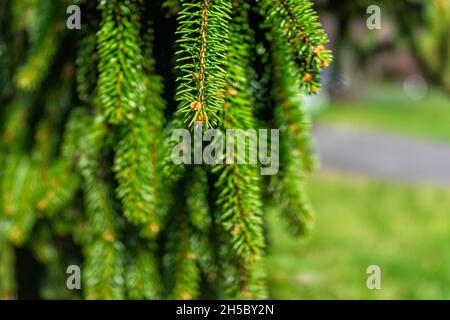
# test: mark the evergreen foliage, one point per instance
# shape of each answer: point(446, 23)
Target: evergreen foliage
point(85, 120)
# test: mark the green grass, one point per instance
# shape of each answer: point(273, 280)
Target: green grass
point(403, 229)
point(388, 109)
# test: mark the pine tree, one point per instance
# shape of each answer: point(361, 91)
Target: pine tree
point(86, 118)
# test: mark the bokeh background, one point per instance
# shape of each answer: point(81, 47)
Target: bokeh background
point(382, 131)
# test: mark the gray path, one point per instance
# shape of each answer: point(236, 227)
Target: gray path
point(383, 155)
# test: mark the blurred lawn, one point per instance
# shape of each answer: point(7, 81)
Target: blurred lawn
point(388, 108)
point(403, 229)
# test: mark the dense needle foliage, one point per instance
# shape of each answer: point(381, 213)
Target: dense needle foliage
point(86, 115)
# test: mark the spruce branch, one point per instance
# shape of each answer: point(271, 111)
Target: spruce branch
point(51, 32)
point(238, 186)
point(203, 42)
point(120, 85)
point(18, 188)
point(104, 252)
point(143, 280)
point(296, 155)
point(296, 22)
point(181, 262)
point(87, 56)
point(200, 219)
point(137, 164)
point(62, 180)
point(8, 285)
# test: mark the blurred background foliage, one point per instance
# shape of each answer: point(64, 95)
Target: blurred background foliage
point(391, 81)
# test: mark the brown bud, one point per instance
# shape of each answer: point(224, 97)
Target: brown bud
point(308, 77)
point(201, 118)
point(318, 49)
point(236, 229)
point(186, 296)
point(294, 128)
point(324, 64)
point(108, 236)
point(232, 91)
point(42, 204)
point(196, 105)
point(154, 228)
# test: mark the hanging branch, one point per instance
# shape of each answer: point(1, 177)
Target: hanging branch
point(296, 156)
point(203, 42)
point(104, 265)
point(121, 79)
point(297, 24)
point(238, 185)
point(49, 36)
